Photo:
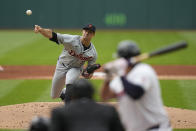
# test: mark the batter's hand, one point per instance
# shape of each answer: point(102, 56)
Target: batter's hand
point(37, 28)
point(117, 67)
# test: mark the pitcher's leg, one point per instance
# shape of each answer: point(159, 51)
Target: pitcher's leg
point(58, 84)
point(71, 76)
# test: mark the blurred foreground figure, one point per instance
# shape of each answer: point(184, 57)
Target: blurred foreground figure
point(137, 89)
point(39, 124)
point(83, 113)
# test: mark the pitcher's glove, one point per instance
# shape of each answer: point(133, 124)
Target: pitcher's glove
point(87, 73)
point(90, 69)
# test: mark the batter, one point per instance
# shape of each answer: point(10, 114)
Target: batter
point(138, 92)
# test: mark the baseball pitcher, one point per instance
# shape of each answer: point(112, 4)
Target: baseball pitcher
point(77, 50)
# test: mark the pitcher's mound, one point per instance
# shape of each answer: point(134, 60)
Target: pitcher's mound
point(19, 116)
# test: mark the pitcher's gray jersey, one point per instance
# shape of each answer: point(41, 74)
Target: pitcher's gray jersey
point(71, 61)
point(73, 54)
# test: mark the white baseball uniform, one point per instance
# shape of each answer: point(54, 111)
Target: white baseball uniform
point(146, 112)
point(70, 63)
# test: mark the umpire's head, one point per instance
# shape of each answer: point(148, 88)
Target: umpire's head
point(39, 124)
point(82, 88)
point(127, 49)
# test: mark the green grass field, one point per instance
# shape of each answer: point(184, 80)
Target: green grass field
point(176, 93)
point(28, 48)
point(19, 47)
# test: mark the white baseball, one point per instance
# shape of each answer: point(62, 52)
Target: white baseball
point(28, 12)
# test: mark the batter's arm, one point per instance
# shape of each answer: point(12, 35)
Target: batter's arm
point(106, 93)
point(45, 32)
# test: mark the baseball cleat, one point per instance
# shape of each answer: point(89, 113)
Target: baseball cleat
point(62, 95)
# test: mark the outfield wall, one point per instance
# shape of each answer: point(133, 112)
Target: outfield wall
point(131, 14)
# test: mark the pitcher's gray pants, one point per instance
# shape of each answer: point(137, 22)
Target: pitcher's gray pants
point(62, 78)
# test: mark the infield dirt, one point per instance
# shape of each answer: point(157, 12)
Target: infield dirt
point(19, 116)
point(46, 72)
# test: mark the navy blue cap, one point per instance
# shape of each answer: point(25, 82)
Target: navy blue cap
point(90, 27)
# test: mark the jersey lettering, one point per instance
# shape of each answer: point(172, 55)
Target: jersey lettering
point(79, 56)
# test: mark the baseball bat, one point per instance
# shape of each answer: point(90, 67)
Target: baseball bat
point(160, 51)
point(114, 66)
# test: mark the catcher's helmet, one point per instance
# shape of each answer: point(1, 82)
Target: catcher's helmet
point(127, 49)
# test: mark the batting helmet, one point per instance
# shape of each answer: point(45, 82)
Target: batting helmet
point(127, 49)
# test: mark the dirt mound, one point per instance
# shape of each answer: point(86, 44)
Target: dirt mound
point(19, 116)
